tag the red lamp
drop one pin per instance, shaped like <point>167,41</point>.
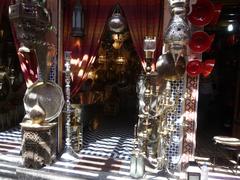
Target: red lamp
<point>202,13</point>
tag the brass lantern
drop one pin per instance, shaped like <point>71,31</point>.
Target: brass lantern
<point>121,60</point>
<point>78,20</point>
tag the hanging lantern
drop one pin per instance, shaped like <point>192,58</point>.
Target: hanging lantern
<point>78,20</point>
<point>178,31</point>
<point>116,22</point>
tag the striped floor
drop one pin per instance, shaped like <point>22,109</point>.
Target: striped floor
<point>106,155</point>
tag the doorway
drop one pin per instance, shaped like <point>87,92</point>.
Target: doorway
<point>218,92</point>
<point>109,98</point>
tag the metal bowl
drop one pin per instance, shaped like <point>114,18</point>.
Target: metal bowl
<point>48,94</point>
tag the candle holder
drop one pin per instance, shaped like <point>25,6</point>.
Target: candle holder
<point>143,127</point>
<point>149,47</point>
<point>166,104</point>
<point>69,154</point>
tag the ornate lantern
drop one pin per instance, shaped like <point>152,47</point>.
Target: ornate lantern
<point>32,21</point>
<point>78,20</point>
<point>178,30</point>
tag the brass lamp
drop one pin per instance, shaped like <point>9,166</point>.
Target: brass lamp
<point>121,60</point>
<point>118,41</point>
<point>78,20</point>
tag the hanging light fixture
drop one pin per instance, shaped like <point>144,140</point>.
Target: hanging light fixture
<point>78,20</point>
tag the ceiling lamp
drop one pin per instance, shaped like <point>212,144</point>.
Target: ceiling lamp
<point>78,20</point>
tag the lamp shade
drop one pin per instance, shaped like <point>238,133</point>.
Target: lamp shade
<point>194,68</point>
<point>216,13</point>
<point>202,13</point>
<point>200,41</point>
<point>207,67</point>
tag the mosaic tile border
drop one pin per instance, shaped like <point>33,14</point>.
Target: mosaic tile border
<point>174,150</point>
<point>190,119</point>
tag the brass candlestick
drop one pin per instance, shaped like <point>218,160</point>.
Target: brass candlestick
<point>137,166</point>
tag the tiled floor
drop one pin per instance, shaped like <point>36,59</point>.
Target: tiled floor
<point>206,150</point>
<point>106,155</point>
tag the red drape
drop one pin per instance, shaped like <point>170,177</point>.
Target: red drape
<point>3,7</point>
<point>84,51</point>
<point>28,61</point>
<point>145,18</point>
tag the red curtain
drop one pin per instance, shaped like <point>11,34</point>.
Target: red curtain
<point>84,50</point>
<point>28,63</point>
<point>145,18</point>
<point>3,7</point>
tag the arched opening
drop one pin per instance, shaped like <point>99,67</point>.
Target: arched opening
<point>219,93</point>
<point>108,95</point>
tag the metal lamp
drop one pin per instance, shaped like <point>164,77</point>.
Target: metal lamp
<point>149,47</point>
<point>78,20</point>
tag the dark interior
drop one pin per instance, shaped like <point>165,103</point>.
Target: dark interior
<point>11,93</point>
<point>218,94</point>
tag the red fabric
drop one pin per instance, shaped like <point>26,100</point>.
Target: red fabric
<point>85,49</point>
<point>28,61</point>
<point>3,8</point>
<point>145,18</point>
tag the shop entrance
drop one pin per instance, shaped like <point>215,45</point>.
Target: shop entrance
<point>219,93</point>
